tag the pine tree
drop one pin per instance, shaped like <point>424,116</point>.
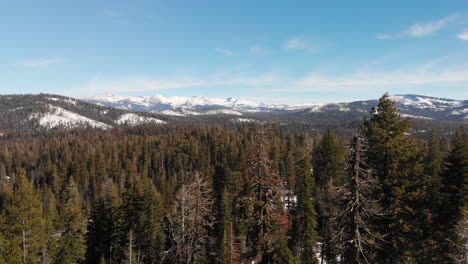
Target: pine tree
<point>226,246</point>
<point>304,232</point>
<point>265,217</point>
<point>453,199</point>
<point>149,232</point>
<point>106,236</point>
<point>393,158</point>
<point>329,173</point>
<point>429,185</point>
<point>51,227</point>
<point>23,224</point>
<point>72,246</point>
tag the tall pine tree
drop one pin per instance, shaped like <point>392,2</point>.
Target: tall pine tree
<point>393,158</point>
<point>329,173</point>
<point>304,234</point>
<point>23,224</point>
<point>453,196</point>
<point>72,246</point>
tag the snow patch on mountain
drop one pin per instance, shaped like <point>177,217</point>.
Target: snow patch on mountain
<point>223,112</point>
<point>58,117</point>
<point>417,117</point>
<point>169,112</point>
<point>133,120</point>
<point>425,102</point>
<point>160,102</point>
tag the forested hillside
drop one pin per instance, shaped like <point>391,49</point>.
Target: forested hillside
<point>248,193</point>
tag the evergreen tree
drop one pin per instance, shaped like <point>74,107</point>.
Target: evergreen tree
<point>106,236</point>
<point>329,173</point>
<point>265,217</point>
<point>51,227</point>
<point>149,233</point>
<point>304,234</point>
<point>72,246</point>
<point>453,199</point>
<point>393,158</point>
<point>226,248</point>
<point>429,199</point>
<point>23,224</point>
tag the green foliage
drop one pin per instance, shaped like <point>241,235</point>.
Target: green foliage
<point>395,162</point>
<point>329,173</point>
<point>72,246</point>
<point>126,187</point>
<point>304,234</point>
<point>453,197</point>
<point>23,224</point>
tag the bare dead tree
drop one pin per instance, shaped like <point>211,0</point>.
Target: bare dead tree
<point>357,235</point>
<point>191,220</point>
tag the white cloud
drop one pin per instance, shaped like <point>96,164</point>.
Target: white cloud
<point>422,29</point>
<point>296,43</point>
<point>40,62</point>
<point>463,35</point>
<point>147,83</point>
<point>226,52</point>
<point>437,73</point>
<point>301,43</point>
<point>369,80</point>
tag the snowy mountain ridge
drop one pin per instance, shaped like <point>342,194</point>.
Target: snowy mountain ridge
<point>47,111</point>
<point>415,106</point>
<point>162,103</point>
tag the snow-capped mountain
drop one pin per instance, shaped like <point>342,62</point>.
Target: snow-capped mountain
<point>161,103</point>
<point>413,106</point>
<point>426,107</point>
<point>45,111</point>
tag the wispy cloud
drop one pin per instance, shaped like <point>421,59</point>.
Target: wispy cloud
<point>40,62</point>
<point>300,43</point>
<point>422,29</point>
<point>148,83</point>
<point>436,73</point>
<point>431,73</point>
<point>226,52</point>
<point>463,35</point>
<point>296,43</point>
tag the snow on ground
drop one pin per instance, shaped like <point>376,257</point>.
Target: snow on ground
<point>169,112</point>
<point>425,102</point>
<point>70,101</point>
<point>460,112</point>
<point>417,117</point>
<point>223,111</point>
<point>244,120</point>
<point>133,119</point>
<point>59,117</point>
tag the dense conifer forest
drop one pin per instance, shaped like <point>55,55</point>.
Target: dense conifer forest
<point>250,193</point>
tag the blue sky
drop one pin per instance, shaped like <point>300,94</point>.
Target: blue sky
<point>269,51</point>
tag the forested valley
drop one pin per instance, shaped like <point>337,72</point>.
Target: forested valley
<point>251,193</point>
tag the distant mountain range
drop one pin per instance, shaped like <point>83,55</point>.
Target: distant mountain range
<point>415,106</point>
<point>47,111</point>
